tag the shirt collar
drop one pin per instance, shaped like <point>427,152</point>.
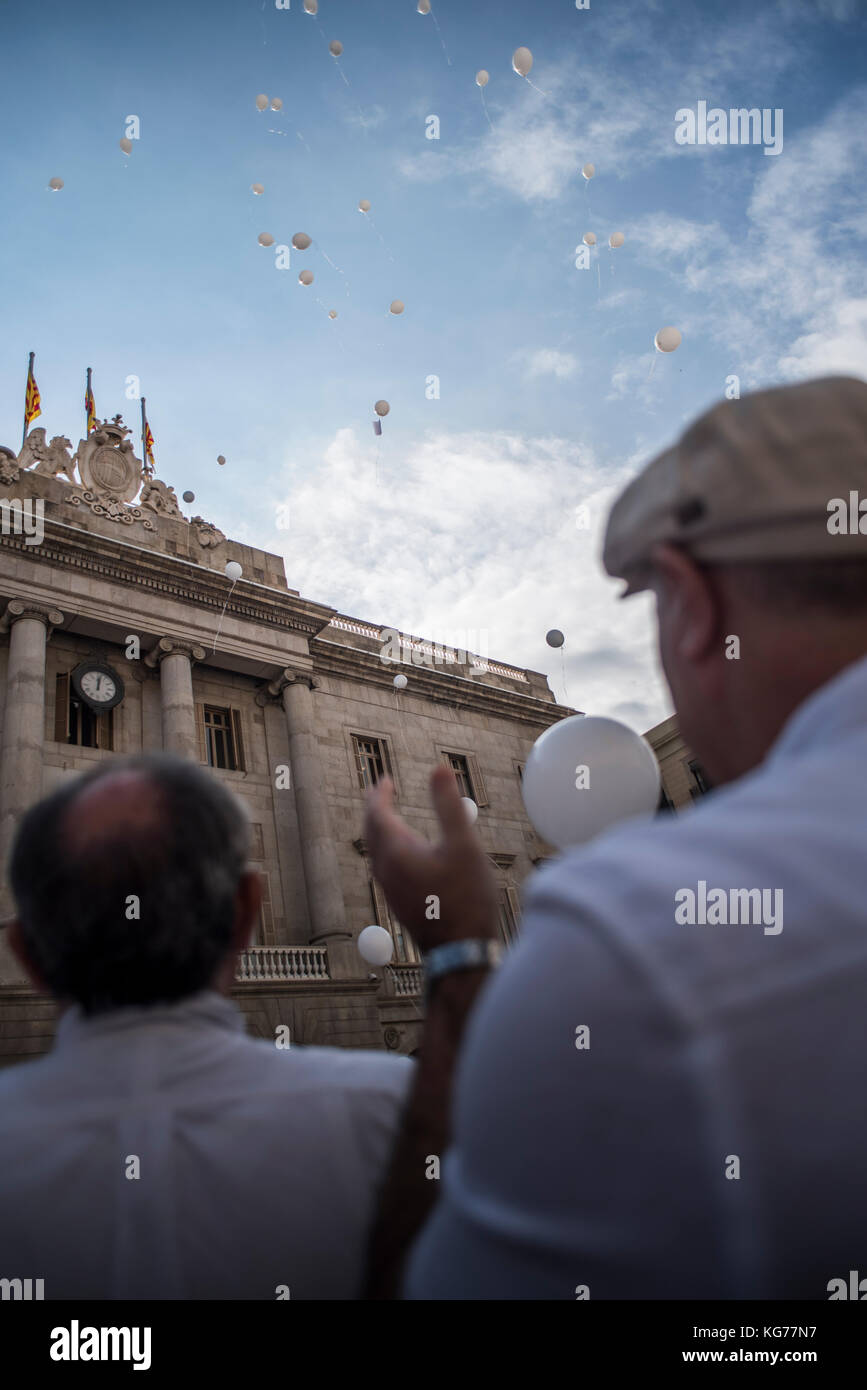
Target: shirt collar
<point>205,1009</point>
<point>837,708</point>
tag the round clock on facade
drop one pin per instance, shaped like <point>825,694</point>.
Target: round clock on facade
<point>97,685</point>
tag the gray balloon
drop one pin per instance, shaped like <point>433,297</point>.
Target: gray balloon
<point>189,497</point>
<point>555,638</point>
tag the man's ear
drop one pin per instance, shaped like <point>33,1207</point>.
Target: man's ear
<point>16,944</point>
<point>687,603</point>
<point>248,906</point>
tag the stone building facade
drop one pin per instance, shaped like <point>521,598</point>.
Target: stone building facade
<point>290,702</point>
<point>683,778</point>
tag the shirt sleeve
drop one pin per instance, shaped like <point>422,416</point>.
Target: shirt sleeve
<point>579,1140</point>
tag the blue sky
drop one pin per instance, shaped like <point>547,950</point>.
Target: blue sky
<point>465,521</point>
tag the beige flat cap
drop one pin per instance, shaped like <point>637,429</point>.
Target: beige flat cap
<point>753,479</point>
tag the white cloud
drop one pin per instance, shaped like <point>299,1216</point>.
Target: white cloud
<point>478,532</point>
<point>550,362</point>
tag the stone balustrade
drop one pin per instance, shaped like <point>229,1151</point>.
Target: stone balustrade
<point>283,963</point>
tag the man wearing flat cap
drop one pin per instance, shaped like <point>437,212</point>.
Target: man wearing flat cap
<point>711,1142</point>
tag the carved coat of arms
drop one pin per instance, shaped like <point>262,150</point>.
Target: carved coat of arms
<point>107,463</point>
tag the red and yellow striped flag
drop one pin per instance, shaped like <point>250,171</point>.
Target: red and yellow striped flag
<point>90,407</point>
<point>32,400</point>
<point>149,445</point>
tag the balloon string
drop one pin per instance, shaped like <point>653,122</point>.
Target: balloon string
<point>378,233</point>
<point>303,142</point>
<point>536,89</point>
<point>485,104</point>
<point>652,365</point>
<point>223,614</point>
<point>563,659</point>
<point>376,462</point>
<point>442,40</point>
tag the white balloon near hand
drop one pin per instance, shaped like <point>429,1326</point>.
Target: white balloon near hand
<point>471,808</point>
<point>233,571</point>
<point>375,945</point>
<point>584,775</point>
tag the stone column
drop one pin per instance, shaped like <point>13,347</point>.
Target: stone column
<point>23,739</point>
<point>175,660</point>
<point>318,851</point>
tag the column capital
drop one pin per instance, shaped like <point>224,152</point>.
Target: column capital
<point>22,608</point>
<point>171,646</point>
<point>273,689</point>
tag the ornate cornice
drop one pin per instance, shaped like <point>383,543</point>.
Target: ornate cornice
<point>156,572</point>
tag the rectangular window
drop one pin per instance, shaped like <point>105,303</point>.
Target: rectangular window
<point>257,844</point>
<point>510,912</point>
<point>266,914</point>
<point>371,759</point>
<point>222,738</point>
<point>75,722</point>
<point>466,768</point>
<point>405,950</point>
<point>700,779</point>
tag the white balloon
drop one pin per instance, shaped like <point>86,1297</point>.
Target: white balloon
<point>311,6</point>
<point>472,809</point>
<point>399,682</point>
<point>584,775</point>
<point>332,313</point>
<point>423,6</point>
<point>667,339</point>
<point>220,458</point>
<point>522,61</point>
<point>306,277</point>
<point>266,239</point>
<point>277,104</point>
<point>616,239</point>
<point>375,945</point>
<point>364,205</point>
<point>482,78</point>
<point>588,171</point>
<point>589,239</point>
<point>258,188</point>
<point>382,407</point>
<point>233,570</point>
<point>396,306</point>
<point>55,185</point>
<point>261,102</point>
<point>301,241</point>
<point>125,144</point>
<point>335,47</point>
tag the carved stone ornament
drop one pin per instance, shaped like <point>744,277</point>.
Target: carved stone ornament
<point>104,504</point>
<point>107,463</point>
<point>206,533</point>
<point>9,470</point>
<point>47,459</point>
<point>158,497</point>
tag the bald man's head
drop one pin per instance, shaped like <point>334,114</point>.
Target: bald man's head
<point>127,883</point>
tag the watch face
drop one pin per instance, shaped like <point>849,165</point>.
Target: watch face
<point>98,686</point>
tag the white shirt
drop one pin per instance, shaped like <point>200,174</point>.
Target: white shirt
<point>712,1140</point>
<point>258,1166</point>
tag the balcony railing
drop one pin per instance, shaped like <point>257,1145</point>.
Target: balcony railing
<point>406,979</point>
<point>283,963</point>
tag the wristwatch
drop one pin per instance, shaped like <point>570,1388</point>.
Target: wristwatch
<point>471,954</point>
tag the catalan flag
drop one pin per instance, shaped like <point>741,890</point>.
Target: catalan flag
<point>89,404</point>
<point>149,445</point>
<point>32,400</point>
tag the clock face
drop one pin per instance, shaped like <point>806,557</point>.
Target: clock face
<point>98,686</point>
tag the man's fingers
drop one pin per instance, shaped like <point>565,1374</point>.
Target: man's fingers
<point>450,809</point>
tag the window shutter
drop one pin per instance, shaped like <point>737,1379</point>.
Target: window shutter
<point>200,732</point>
<point>478,781</point>
<point>239,742</point>
<point>61,708</point>
<point>380,906</point>
<point>514,899</point>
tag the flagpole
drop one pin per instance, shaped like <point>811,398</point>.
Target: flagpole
<point>29,375</point>
<point>87,396</point>
<point>144,447</point>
